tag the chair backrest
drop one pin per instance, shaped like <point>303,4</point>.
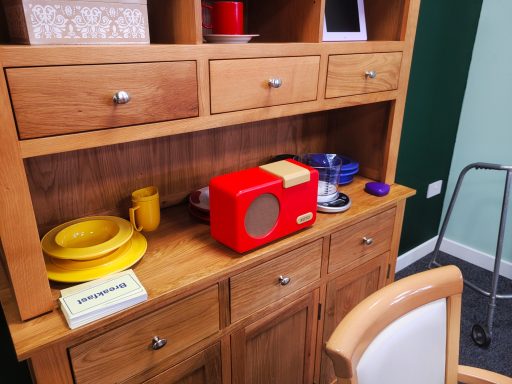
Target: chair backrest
<point>407,332</point>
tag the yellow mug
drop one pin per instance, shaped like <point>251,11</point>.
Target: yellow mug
<point>145,211</point>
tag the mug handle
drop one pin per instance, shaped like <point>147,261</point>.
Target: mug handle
<point>132,218</point>
<point>210,7</point>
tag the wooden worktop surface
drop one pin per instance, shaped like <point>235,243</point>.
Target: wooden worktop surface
<point>181,259</point>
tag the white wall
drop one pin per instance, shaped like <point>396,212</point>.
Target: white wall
<point>485,134</point>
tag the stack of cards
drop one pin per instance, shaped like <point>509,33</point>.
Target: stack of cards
<point>95,299</point>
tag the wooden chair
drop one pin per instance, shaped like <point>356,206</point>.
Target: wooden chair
<point>406,333</point>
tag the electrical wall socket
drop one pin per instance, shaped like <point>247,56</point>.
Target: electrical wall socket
<point>434,188</point>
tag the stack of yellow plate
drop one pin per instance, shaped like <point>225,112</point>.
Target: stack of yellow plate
<point>91,247</point>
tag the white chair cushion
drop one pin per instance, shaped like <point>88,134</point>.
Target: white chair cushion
<point>411,350</point>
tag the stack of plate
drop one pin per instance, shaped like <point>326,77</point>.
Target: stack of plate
<point>91,247</point>
<point>349,169</point>
<point>199,204</point>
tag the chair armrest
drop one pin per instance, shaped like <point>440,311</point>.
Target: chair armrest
<point>471,375</point>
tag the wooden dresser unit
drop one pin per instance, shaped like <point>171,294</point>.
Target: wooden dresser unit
<point>198,110</point>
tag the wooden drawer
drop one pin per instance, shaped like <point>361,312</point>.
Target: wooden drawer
<point>244,84</point>
<point>126,351</point>
<point>347,74</point>
<point>260,286</point>
<point>356,244</point>
<point>66,99</point>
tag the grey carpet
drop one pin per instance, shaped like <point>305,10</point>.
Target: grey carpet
<point>497,356</point>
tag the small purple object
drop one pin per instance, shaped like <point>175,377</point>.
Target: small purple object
<point>376,188</point>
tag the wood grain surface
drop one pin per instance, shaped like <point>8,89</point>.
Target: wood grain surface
<point>358,133</point>
<point>201,368</point>
<point>20,248</point>
<point>385,19</point>
<point>52,366</point>
<point>285,21</point>
<point>301,266</point>
<point>181,324</point>
<point>346,74</point>
<point>175,22</point>
<point>99,181</point>
<point>60,100</point>
<point>243,84</point>
<point>347,245</point>
<point>277,348</point>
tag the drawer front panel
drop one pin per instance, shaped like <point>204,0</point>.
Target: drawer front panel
<point>260,286</point>
<point>366,239</point>
<point>352,74</point>
<point>244,84</point>
<point>60,100</point>
<point>126,351</point>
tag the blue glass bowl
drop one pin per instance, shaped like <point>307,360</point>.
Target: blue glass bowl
<point>349,168</point>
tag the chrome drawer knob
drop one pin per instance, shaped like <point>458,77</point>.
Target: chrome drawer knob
<point>275,83</point>
<point>158,343</point>
<point>284,280</point>
<point>121,97</point>
<point>367,240</point>
<point>370,74</point>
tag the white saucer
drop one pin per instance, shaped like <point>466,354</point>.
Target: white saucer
<point>228,39</point>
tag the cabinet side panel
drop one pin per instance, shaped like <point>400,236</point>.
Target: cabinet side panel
<point>18,230</point>
<point>411,11</point>
<point>51,365</point>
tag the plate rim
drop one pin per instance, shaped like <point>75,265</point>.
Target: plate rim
<point>50,247</point>
<point>136,250</point>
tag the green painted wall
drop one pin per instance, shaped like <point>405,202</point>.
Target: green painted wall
<point>442,54</point>
<point>485,134</point>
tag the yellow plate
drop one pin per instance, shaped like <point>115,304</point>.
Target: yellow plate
<point>72,271</point>
<point>87,238</point>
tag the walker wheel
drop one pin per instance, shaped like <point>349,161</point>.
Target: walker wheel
<point>480,335</point>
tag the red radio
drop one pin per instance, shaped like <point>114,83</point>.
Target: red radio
<point>255,206</point>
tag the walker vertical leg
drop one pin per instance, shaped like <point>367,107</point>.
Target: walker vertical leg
<point>433,261</point>
<point>480,335</point>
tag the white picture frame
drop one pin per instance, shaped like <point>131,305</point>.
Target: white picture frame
<point>344,20</point>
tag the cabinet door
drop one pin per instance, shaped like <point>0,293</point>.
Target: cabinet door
<point>202,368</point>
<point>277,348</point>
<point>343,294</point>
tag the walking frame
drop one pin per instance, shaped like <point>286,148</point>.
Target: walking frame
<point>482,335</point>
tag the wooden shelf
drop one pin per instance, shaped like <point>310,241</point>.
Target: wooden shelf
<point>181,259</point>
<point>65,143</point>
<point>24,55</point>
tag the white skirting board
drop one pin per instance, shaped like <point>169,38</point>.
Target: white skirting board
<point>458,250</point>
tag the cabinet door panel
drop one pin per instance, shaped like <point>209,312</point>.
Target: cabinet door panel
<point>202,368</point>
<point>343,294</point>
<point>277,348</point>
